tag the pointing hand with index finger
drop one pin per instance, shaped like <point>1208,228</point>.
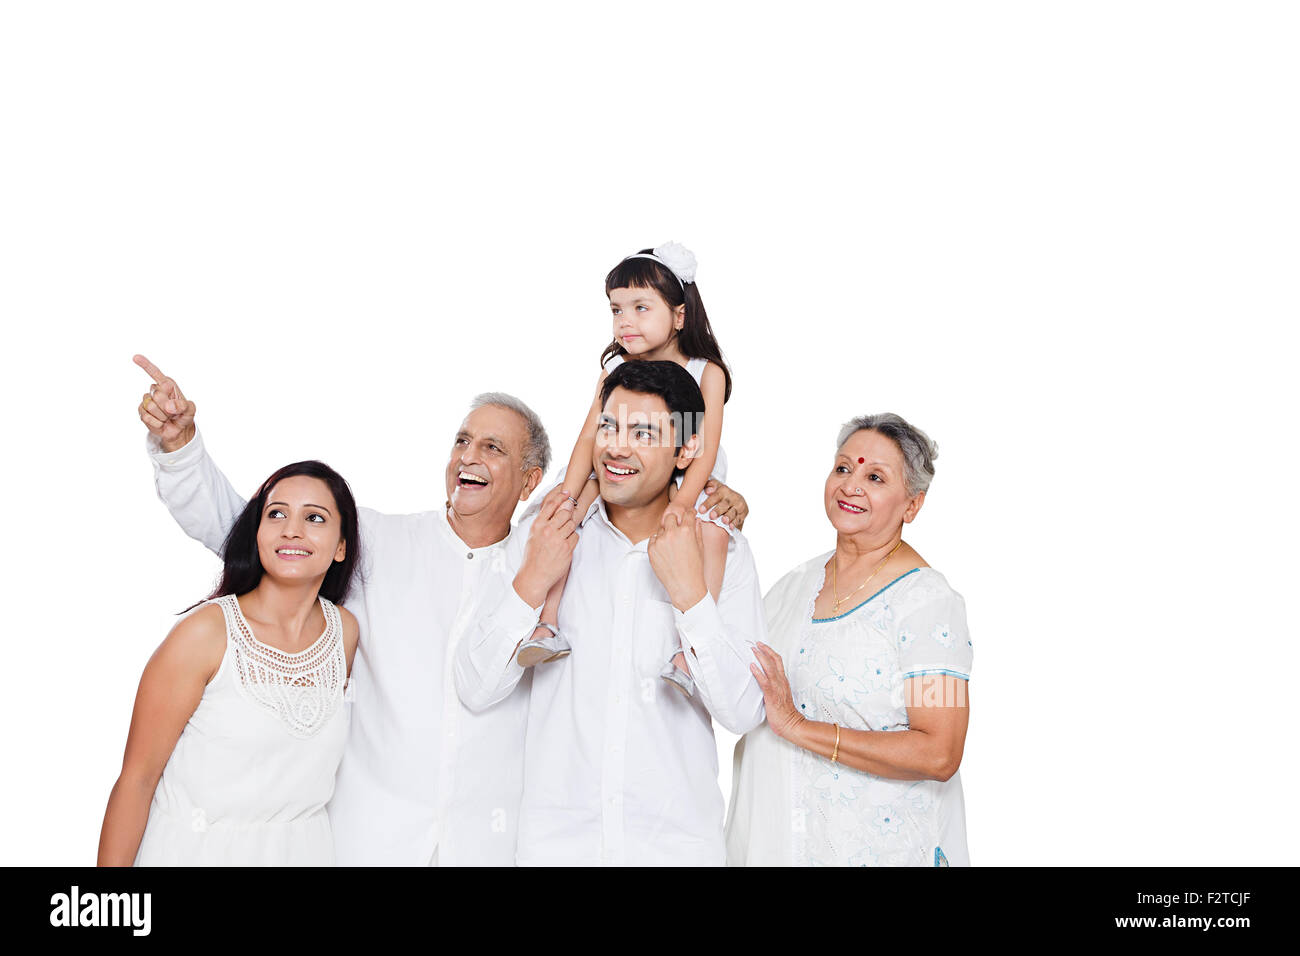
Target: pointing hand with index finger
<point>164,409</point>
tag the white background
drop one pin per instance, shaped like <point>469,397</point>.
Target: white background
<point>1062,238</point>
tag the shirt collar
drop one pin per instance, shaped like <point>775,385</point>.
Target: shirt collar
<point>453,539</point>
<point>601,516</point>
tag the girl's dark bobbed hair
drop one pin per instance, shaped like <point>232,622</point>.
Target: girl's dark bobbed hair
<point>696,339</point>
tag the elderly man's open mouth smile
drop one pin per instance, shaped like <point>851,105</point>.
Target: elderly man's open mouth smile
<point>470,480</point>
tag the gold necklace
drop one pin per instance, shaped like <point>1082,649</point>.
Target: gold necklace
<point>835,577</point>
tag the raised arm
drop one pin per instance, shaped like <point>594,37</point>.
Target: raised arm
<point>169,693</point>
<point>718,635</point>
<point>198,495</point>
<point>506,607</point>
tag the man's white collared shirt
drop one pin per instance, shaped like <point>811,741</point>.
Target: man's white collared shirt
<point>620,767</point>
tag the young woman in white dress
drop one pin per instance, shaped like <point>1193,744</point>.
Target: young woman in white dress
<point>240,720</point>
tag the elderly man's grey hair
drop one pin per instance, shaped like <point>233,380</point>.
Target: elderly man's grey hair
<point>537,451</point>
<point>919,452</point>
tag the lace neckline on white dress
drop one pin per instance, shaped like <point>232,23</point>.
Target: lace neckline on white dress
<point>302,688</point>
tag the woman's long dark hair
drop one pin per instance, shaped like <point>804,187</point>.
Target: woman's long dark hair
<point>243,568</point>
<point>696,338</point>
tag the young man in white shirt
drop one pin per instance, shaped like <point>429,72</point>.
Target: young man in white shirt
<point>620,767</point>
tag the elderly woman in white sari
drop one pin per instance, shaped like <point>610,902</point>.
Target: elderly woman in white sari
<point>864,684</point>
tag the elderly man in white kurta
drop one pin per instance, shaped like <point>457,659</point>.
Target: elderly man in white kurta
<point>621,768</point>
<point>423,781</point>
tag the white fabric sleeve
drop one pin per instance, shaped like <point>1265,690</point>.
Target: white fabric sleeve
<point>933,639</point>
<point>722,636</point>
<point>485,668</point>
<point>199,497</point>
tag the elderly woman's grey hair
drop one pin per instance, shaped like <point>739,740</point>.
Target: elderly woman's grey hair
<point>919,452</point>
<point>537,451</point>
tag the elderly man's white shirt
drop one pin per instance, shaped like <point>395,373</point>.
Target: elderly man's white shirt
<point>423,779</point>
<point>620,767</point>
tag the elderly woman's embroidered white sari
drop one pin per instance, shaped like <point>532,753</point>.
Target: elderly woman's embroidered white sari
<point>790,806</point>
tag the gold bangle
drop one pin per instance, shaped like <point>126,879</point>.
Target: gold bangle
<point>836,752</point>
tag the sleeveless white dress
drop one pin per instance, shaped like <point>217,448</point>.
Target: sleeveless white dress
<point>696,367</point>
<point>254,767</point>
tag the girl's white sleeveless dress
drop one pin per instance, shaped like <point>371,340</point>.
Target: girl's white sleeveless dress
<point>254,767</point>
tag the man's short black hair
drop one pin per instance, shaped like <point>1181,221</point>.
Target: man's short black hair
<point>676,386</point>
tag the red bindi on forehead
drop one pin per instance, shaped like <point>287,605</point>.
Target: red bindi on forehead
<point>862,461</point>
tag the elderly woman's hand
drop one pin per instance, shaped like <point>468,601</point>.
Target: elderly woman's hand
<point>782,715</point>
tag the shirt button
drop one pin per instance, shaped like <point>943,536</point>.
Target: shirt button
<point>470,556</point>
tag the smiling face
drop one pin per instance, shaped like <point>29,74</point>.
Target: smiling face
<point>643,321</point>
<point>300,534</point>
<point>634,455</point>
<point>866,491</point>
<point>485,471</point>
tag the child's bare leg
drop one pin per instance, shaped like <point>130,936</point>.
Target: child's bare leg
<point>551,609</point>
<point>545,644</point>
<point>715,565</point>
<point>531,653</point>
<point>586,498</point>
